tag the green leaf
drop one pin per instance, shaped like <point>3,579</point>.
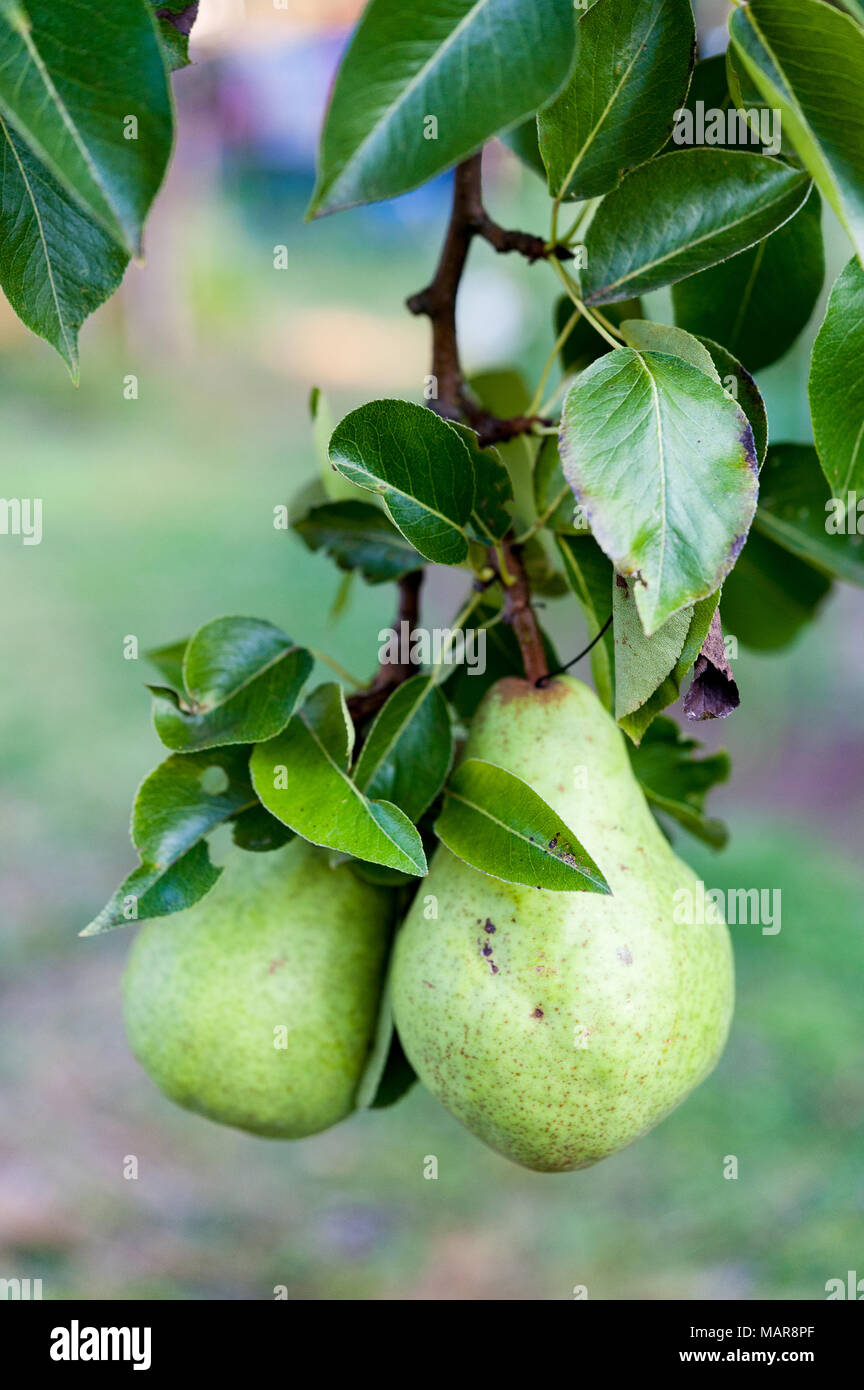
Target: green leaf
<point>662,461</point>
<point>409,749</point>
<point>168,661</point>
<point>771,595</point>
<point>56,265</point>
<point>553,496</point>
<point>682,213</point>
<point>855,7</point>
<point>758,302</point>
<point>505,394</point>
<point>584,344</point>
<point>242,678</point>
<point>741,386</point>
<point>421,468</point>
<point>490,518</point>
<point>523,140</point>
<point>837,384</point>
<point>388,1074</point>
<point>357,535</point>
<point>632,69</point>
<point>590,576</point>
<point>256,830</point>
<point>709,87</point>
<point>300,777</point>
<point>676,781</point>
<point>795,510</point>
<point>422,88</point>
<point>640,720</point>
<point>498,824</point>
<point>175,19</point>
<point>714,361</point>
<point>177,806</point>
<point>71,77</point>
<point>646,336</point>
<point>807,61</point>
<point>642,663</point>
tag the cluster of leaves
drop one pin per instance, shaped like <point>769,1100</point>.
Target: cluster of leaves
<point>247,751</point>
<point>86,125</point>
<point>657,494</point>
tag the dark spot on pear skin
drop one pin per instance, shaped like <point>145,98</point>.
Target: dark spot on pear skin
<point>275,965</point>
<point>487,949</point>
<point>538,1013</point>
<point>489,927</point>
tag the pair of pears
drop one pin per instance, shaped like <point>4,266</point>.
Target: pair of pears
<point>558,1027</point>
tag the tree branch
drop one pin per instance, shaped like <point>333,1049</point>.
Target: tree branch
<point>519,613</point>
<point>366,703</point>
<point>469,218</point>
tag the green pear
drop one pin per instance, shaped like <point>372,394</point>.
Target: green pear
<point>559,1027</point>
<point>257,1007</point>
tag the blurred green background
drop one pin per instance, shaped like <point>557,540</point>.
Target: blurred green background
<point>157,516</point>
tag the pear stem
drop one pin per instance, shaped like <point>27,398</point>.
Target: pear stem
<point>519,613</point>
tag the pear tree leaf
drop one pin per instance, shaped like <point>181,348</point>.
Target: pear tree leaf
<point>855,7</point>
<point>681,213</point>
<point>168,661</point>
<point>553,496</point>
<point>56,264</point>
<point>758,302</point>
<point>490,518</point>
<point>646,336</point>
<point>820,98</point>
<point>388,1074</point>
<point>642,663</point>
<point>796,510</point>
<point>676,781</point>
<point>632,69</point>
<point>590,576</point>
<point>175,19</point>
<point>740,385</point>
<point>505,394</point>
<point>771,595</point>
<point>241,680</point>
<point>663,463</point>
<point>708,92</point>
<point>498,824</point>
<point>713,360</point>
<point>176,807</point>
<point>70,78</point>
<point>300,776</point>
<point>523,140</point>
<point>701,616</point>
<point>421,88</point>
<point>256,830</point>
<point>358,536</point>
<point>421,468</point>
<point>837,383</point>
<point>409,749</point>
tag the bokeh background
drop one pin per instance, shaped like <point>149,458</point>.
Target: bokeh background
<point>157,516</point>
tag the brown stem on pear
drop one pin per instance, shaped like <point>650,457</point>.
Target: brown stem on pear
<point>519,613</point>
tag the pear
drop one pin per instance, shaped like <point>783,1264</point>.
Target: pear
<point>559,1027</point>
<point>257,1007</point>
